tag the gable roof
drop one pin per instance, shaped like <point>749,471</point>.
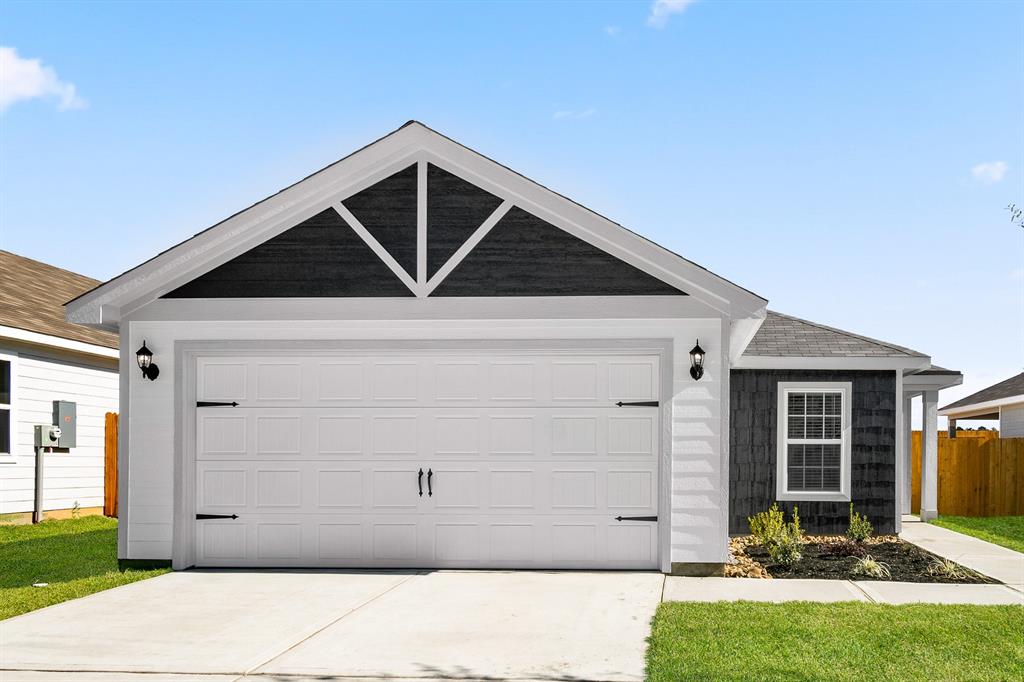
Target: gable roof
<point>32,296</point>
<point>1004,390</point>
<point>104,305</point>
<point>786,336</point>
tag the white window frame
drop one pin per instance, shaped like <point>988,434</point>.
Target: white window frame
<point>782,492</point>
<point>6,457</point>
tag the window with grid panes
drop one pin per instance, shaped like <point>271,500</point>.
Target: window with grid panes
<point>814,440</point>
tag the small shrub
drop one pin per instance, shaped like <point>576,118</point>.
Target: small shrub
<point>782,540</point>
<point>947,569</point>
<point>843,548</point>
<point>76,510</point>
<point>860,528</point>
<point>767,525</point>
<point>868,565</point>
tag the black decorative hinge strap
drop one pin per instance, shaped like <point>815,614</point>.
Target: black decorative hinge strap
<point>206,403</point>
<point>642,403</point>
<point>200,517</point>
<point>636,518</point>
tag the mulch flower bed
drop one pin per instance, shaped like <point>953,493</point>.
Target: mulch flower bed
<point>835,557</point>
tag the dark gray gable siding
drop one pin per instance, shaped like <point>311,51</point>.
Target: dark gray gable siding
<point>388,211</point>
<point>526,256</point>
<point>320,257</point>
<point>752,445</point>
<point>455,209</point>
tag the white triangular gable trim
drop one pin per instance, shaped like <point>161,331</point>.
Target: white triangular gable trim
<point>412,143</point>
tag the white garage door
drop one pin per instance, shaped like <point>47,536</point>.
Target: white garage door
<point>428,459</point>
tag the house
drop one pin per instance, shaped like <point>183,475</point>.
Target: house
<point>45,358</point>
<point>417,357</point>
<point>1003,401</point>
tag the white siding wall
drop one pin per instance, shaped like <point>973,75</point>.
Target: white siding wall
<point>1011,422</point>
<point>695,470</point>
<point>77,476</point>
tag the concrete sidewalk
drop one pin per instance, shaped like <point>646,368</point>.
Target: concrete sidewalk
<point>1001,563</point>
<point>875,591</point>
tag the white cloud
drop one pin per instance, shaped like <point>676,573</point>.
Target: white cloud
<point>25,79</point>
<point>661,10</point>
<point>567,113</point>
<point>990,171</point>
<point>613,31</point>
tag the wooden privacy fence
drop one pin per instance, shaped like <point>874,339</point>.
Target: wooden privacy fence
<point>980,474</point>
<point>110,465</point>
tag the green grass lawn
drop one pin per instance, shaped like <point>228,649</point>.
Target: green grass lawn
<point>842,642</point>
<point>1007,531</point>
<point>76,557</point>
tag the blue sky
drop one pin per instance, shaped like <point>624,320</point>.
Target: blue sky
<point>850,162</point>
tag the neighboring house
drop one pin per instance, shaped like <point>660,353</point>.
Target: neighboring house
<point>417,357</point>
<point>45,358</point>
<point>1003,401</point>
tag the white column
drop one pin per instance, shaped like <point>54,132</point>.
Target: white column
<point>907,437</point>
<point>930,455</point>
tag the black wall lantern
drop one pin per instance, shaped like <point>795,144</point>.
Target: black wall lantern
<point>697,362</point>
<point>145,357</point>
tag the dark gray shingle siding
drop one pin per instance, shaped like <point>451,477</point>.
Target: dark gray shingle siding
<point>752,445</point>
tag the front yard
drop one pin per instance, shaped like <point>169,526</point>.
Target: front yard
<point>74,558</point>
<point>847,641</point>
<point>1007,531</point>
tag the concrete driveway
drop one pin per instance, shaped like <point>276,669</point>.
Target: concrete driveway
<point>294,625</point>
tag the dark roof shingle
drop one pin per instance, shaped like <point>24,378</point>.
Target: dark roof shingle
<point>1013,386</point>
<point>32,297</point>
<point>785,336</point>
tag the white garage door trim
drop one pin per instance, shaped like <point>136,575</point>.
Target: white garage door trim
<point>188,353</point>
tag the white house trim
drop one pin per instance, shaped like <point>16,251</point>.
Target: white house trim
<point>421,223</point>
<point>56,342</point>
<point>105,305</point>
<point>12,407</point>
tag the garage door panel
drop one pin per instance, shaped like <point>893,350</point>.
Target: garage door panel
<point>480,378</point>
<point>429,433</point>
<point>531,461</point>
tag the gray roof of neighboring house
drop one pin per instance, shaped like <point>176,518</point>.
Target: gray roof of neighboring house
<point>785,336</point>
<point>1013,386</point>
<point>32,296</point>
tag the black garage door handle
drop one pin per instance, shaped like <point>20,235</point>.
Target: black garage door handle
<point>430,488</point>
<point>419,482</point>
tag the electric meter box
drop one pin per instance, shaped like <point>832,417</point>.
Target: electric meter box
<point>65,418</point>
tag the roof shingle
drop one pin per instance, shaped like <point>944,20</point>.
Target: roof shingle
<point>785,336</point>
<point>1009,388</point>
<point>32,297</point>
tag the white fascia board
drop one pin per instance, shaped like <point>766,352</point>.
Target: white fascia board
<point>982,408</point>
<point>916,383</point>
<point>412,143</point>
<point>436,308</point>
<point>742,331</point>
<point>861,363</point>
<point>36,338</point>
